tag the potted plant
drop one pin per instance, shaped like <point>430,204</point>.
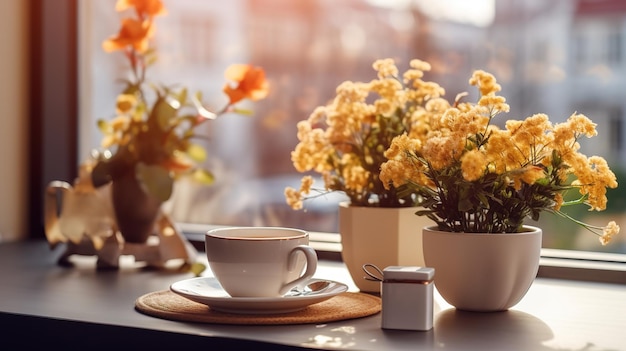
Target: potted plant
<point>480,183</point>
<point>150,143</point>
<point>344,142</point>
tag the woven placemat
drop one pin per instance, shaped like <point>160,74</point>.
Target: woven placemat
<point>168,305</point>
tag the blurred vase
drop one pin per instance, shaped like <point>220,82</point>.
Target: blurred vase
<point>135,210</point>
<point>75,213</point>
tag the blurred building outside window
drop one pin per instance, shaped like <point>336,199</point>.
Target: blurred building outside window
<point>551,56</point>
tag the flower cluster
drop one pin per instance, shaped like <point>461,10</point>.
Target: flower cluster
<point>153,141</point>
<point>469,175</point>
<point>345,140</point>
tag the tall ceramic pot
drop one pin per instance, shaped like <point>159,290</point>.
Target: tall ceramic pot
<point>135,210</point>
<point>380,236</point>
<point>483,272</point>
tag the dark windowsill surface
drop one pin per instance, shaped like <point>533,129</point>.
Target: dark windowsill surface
<point>77,307</point>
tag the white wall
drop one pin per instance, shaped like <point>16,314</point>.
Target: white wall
<point>13,119</point>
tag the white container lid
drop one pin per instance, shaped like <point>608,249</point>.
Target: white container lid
<point>408,273</point>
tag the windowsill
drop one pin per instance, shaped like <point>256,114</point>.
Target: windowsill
<point>583,265</point>
<point>55,302</point>
<point>327,245</point>
<point>554,263</point>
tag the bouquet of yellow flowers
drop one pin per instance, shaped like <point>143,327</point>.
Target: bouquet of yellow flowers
<point>345,141</point>
<point>153,141</point>
<point>472,176</point>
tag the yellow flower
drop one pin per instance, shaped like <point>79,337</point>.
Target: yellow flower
<point>397,138</point>
<point>311,153</point>
<point>294,197</point>
<point>125,103</point>
<point>344,140</point>
<point>609,231</point>
<point>473,164</point>
<point>386,68</point>
<point>473,176</point>
<point>355,176</point>
<point>558,201</point>
<point>532,173</point>
<point>485,82</point>
<point>529,175</point>
<point>496,103</point>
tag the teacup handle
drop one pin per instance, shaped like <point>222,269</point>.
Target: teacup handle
<point>311,266</point>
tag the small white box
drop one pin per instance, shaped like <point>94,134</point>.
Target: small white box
<point>407,298</point>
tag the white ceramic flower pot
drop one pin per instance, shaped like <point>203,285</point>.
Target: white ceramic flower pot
<point>380,236</point>
<point>483,272</point>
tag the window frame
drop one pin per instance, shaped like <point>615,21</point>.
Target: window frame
<point>53,112</point>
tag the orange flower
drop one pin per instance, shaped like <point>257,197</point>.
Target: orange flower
<point>250,81</point>
<point>133,32</point>
<point>149,8</point>
<point>176,164</point>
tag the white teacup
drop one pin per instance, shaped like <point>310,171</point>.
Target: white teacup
<point>260,261</point>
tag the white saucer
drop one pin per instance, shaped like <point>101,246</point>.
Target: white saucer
<point>208,291</point>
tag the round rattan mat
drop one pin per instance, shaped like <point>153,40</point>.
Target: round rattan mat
<point>168,305</point>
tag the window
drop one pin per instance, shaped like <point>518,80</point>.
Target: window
<point>308,47</point>
<point>616,130</point>
<point>614,47</point>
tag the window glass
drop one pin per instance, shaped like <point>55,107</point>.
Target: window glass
<point>554,57</point>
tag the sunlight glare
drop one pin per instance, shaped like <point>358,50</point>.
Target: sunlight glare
<point>480,13</point>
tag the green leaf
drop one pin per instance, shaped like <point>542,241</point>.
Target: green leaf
<point>465,204</point>
<point>156,180</point>
<point>202,111</point>
<point>483,199</point>
<point>104,126</point>
<point>198,95</point>
<point>243,111</point>
<point>163,112</point>
<point>131,88</point>
<point>196,152</point>
<point>197,268</point>
<point>182,96</point>
<point>203,176</point>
